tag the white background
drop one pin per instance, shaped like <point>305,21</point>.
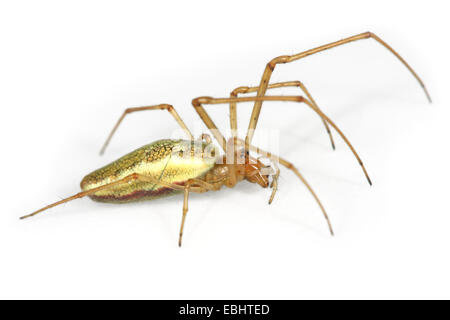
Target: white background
<point>68,70</point>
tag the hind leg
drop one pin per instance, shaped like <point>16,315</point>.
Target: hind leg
<point>127,179</point>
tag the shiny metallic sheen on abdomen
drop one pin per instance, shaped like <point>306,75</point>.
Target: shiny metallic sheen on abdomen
<point>161,160</point>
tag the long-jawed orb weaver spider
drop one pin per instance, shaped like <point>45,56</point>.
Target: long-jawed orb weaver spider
<point>168,166</point>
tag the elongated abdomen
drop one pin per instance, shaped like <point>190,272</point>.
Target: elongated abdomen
<point>171,161</point>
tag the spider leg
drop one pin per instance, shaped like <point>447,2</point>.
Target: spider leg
<point>131,177</point>
<point>167,107</point>
<point>264,84</point>
<point>291,167</point>
<point>243,90</point>
<point>198,105</point>
<point>193,185</point>
<point>202,186</point>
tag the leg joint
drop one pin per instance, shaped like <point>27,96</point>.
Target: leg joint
<point>200,100</point>
<point>277,60</point>
<point>242,89</point>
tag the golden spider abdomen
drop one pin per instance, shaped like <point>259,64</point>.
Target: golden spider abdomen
<point>171,161</point>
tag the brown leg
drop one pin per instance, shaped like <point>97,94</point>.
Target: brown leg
<point>263,86</point>
<point>198,105</point>
<point>291,167</point>
<point>202,186</point>
<point>127,179</point>
<point>243,90</point>
<point>210,124</point>
<point>183,219</point>
<point>167,107</point>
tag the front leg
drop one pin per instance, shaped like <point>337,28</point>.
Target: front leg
<point>270,67</point>
<point>200,101</point>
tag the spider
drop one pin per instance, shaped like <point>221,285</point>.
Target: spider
<point>170,166</point>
